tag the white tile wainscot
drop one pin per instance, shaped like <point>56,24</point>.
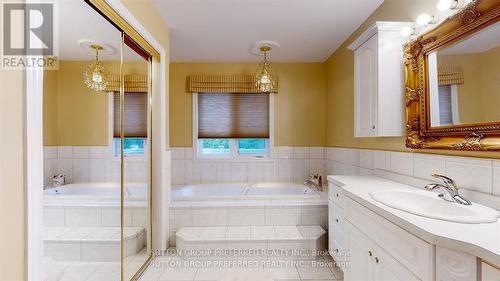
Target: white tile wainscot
<point>89,164</point>
<point>285,164</point>
<point>247,213</point>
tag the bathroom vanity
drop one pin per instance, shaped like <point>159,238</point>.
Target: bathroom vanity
<point>383,243</point>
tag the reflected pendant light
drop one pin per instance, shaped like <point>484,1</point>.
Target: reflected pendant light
<point>96,75</point>
<point>265,78</point>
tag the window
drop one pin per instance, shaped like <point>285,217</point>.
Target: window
<point>135,124</point>
<point>448,105</point>
<point>233,125</point>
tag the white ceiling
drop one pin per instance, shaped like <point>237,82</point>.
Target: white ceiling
<point>478,42</point>
<point>224,30</point>
<point>77,20</point>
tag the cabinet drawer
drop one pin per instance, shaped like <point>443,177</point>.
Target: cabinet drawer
<point>414,253</point>
<point>336,194</point>
<point>489,273</point>
<point>338,223</point>
<point>338,251</point>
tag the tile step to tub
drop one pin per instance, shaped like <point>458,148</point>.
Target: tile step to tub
<point>298,242</point>
<point>91,243</point>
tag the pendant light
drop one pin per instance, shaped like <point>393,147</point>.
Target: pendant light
<point>265,78</point>
<point>96,75</point>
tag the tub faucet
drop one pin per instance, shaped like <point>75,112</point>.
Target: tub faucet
<point>314,180</point>
<point>449,190</point>
<point>58,180</point>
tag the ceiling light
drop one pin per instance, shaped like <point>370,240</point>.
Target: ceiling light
<point>444,5</point>
<point>424,19</point>
<point>96,75</point>
<point>407,31</point>
<point>265,78</point>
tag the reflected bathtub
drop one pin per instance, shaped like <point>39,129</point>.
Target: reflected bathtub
<point>91,193</point>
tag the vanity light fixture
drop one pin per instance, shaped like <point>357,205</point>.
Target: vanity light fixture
<point>265,78</point>
<point>425,19</point>
<point>407,31</point>
<point>444,5</point>
<point>96,75</point>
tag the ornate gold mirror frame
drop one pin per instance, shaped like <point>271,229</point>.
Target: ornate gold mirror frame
<point>475,16</point>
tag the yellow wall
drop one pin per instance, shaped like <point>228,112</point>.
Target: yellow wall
<point>146,13</point>
<point>299,105</point>
<point>50,107</point>
<point>340,85</point>
<point>481,85</point>
<point>73,114</point>
<point>11,176</point>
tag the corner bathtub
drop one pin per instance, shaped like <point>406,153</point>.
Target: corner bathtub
<point>243,191</point>
<point>91,193</point>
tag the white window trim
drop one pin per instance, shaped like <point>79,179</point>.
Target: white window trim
<point>110,149</point>
<point>455,116</point>
<point>234,156</point>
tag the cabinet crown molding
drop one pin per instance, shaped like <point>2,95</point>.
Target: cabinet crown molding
<point>377,27</point>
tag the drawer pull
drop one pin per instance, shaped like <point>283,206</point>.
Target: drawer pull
<point>336,220</point>
<point>337,194</point>
<point>370,253</point>
<point>376,260</point>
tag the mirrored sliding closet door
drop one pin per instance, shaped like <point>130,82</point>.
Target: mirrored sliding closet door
<point>97,160</point>
<point>133,133</point>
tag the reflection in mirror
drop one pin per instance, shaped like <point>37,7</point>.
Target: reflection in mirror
<point>464,80</point>
<point>82,221</point>
<point>137,242</point>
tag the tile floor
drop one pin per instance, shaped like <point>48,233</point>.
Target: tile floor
<point>97,271</point>
<point>165,268</point>
<point>173,268</point>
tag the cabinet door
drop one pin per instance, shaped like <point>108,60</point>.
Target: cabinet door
<point>365,89</point>
<point>386,268</point>
<point>361,255</point>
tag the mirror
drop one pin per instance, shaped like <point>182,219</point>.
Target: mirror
<point>452,83</point>
<point>464,85</point>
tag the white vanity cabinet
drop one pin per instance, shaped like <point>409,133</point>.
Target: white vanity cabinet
<point>379,81</point>
<point>370,262</point>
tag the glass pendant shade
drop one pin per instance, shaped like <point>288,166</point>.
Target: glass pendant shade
<point>96,75</point>
<point>265,78</point>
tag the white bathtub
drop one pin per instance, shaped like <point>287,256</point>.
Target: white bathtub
<point>243,191</point>
<point>94,193</point>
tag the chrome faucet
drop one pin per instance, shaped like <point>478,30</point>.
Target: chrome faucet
<point>449,190</point>
<point>315,181</point>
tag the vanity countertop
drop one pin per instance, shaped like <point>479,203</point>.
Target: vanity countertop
<point>482,240</point>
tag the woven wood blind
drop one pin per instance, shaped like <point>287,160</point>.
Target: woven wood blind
<point>135,115</point>
<point>222,84</point>
<point>233,115</point>
<point>450,75</point>
<point>134,83</point>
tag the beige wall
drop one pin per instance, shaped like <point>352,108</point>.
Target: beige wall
<point>299,105</point>
<point>11,176</point>
<point>340,84</point>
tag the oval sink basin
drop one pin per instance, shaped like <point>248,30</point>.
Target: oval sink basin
<point>428,204</point>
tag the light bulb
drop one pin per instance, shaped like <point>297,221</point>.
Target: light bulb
<point>264,79</point>
<point>407,31</point>
<point>444,5</point>
<point>96,77</point>
<point>424,19</point>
